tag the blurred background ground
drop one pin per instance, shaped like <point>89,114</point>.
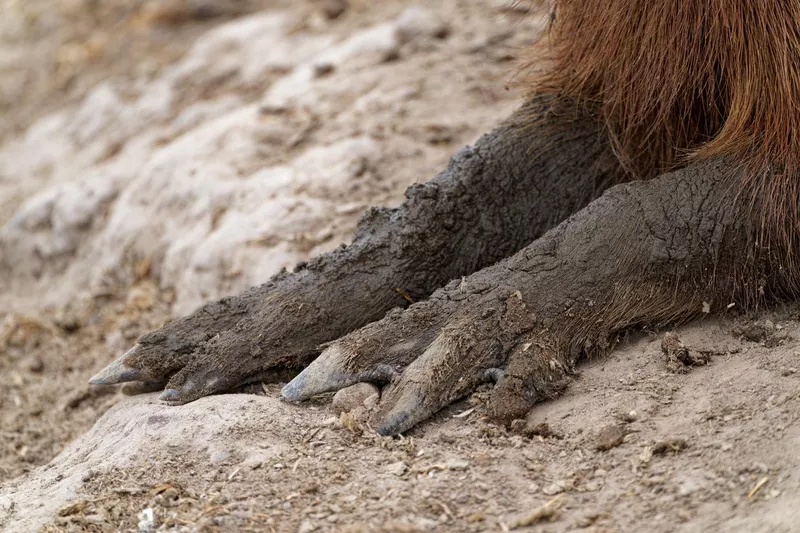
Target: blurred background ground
<point>155,154</point>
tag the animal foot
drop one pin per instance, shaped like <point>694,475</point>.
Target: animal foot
<point>439,351</point>
<point>262,335</point>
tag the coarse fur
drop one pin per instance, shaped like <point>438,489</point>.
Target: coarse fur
<point>680,80</point>
<point>675,82</point>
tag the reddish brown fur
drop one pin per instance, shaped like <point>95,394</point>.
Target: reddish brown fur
<point>681,79</point>
<point>674,81</point>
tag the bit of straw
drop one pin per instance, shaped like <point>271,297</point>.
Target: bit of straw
<point>757,487</point>
<point>547,511</point>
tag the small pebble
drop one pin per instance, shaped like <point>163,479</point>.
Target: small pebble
<point>457,464</point>
<point>609,437</point>
<point>352,397</point>
<point>553,489</point>
<point>372,401</point>
<point>594,485</point>
<point>218,456</point>
<point>306,527</point>
<point>147,520</point>
<point>333,9</point>
<point>398,468</point>
<point>34,364</point>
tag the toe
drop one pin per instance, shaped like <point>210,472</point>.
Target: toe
<point>538,370</point>
<point>220,367</point>
<point>196,380</point>
<point>376,353</point>
<point>451,368</point>
<point>335,369</point>
<point>159,354</point>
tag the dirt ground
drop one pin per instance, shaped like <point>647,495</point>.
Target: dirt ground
<point>640,441</point>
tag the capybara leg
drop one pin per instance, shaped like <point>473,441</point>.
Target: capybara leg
<point>532,172</point>
<point>644,253</point>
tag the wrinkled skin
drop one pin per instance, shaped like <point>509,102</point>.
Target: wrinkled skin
<point>508,285</point>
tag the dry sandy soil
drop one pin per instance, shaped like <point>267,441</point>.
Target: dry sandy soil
<point>154,154</point>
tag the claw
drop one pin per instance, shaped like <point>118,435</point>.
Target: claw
<point>324,374</point>
<point>441,375</point>
<point>327,373</point>
<point>407,411</point>
<point>118,371</point>
<point>494,375</point>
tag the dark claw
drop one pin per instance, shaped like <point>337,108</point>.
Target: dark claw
<point>118,371</point>
<point>406,411</point>
<point>395,425</point>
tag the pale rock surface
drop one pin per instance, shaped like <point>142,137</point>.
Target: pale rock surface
<point>220,193</point>
<point>138,429</point>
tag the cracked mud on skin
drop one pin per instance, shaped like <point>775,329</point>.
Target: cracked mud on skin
<point>535,313</point>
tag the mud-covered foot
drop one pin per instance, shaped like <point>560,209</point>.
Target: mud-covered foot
<point>269,333</point>
<point>159,354</point>
<point>493,199</point>
<point>440,350</point>
<point>647,252</point>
